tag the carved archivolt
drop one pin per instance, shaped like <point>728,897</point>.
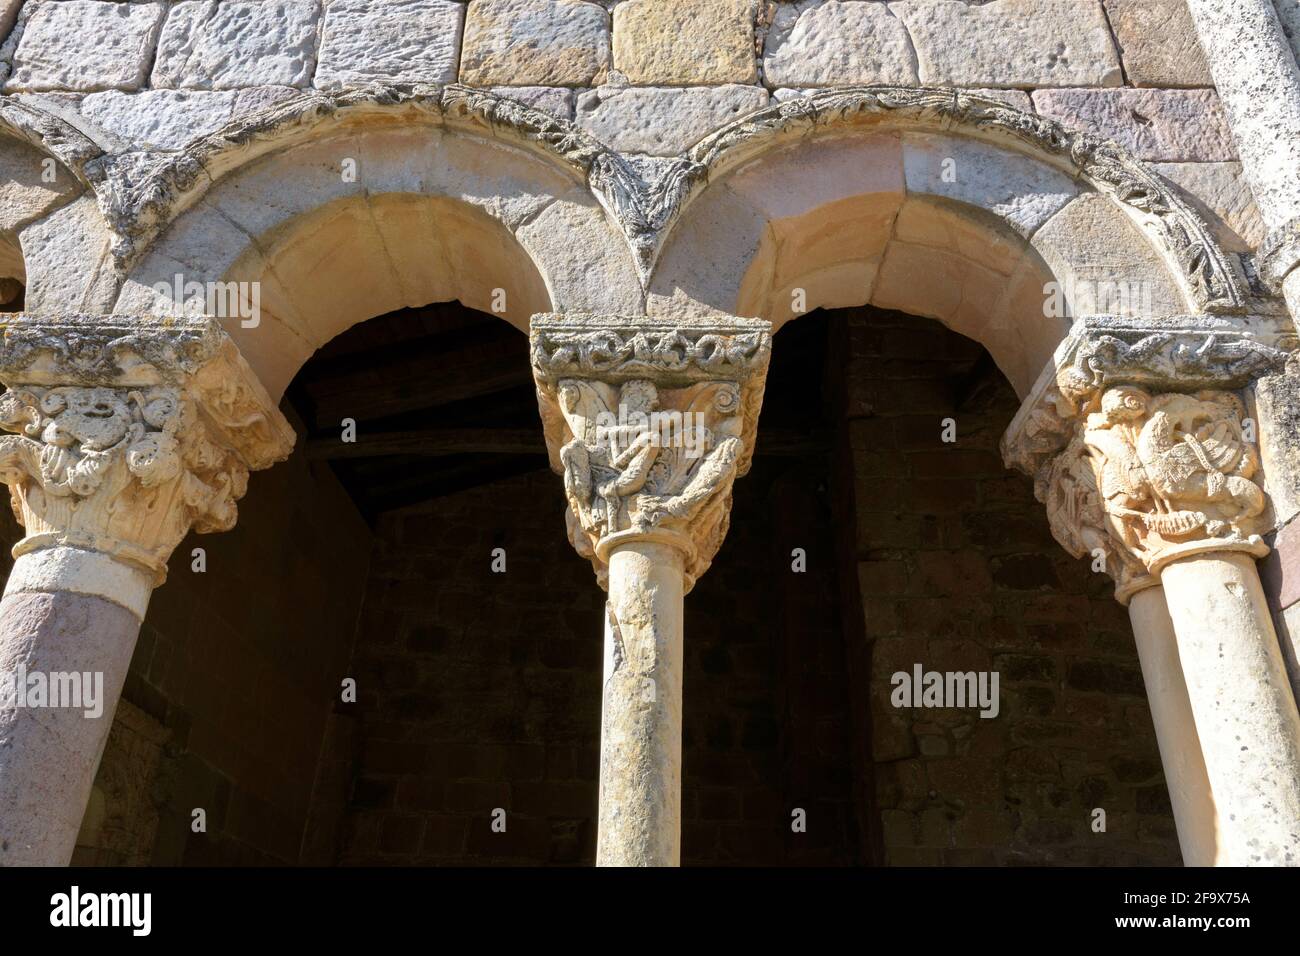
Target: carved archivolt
<point>1204,269</point>
<point>649,426</point>
<point>127,435</point>
<point>141,193</point>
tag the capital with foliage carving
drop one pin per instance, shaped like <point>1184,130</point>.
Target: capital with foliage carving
<point>127,433</point>
<point>649,421</point>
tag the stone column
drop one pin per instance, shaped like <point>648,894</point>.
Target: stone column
<point>1255,72</point>
<point>1162,487</point>
<point>126,435</point>
<point>641,708</point>
<point>1171,714</point>
<point>649,421</point>
<point>1245,713</point>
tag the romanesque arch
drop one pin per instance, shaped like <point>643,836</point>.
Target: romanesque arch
<point>341,209</point>
<point>1001,224</point>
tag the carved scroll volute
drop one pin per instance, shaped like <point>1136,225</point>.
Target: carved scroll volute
<point>125,436</point>
<point>649,423</point>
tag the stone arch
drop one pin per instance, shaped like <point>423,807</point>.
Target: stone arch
<point>46,164</point>
<point>346,207</point>
<point>942,204</point>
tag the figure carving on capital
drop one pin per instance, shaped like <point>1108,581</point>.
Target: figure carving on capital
<point>636,466</point>
<point>1164,476</point>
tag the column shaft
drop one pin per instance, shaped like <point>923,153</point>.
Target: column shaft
<point>641,713</point>
<point>1171,713</point>
<point>56,618</point>
<point>1244,711</point>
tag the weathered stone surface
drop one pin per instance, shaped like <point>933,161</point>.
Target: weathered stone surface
<point>1223,190</point>
<point>46,784</point>
<point>1157,42</point>
<point>1288,12</point>
<point>835,43</point>
<point>85,45</point>
<point>168,119</point>
<point>1017,189</point>
<point>406,41</point>
<point>67,259</point>
<point>1103,263</point>
<point>604,276</point>
<point>662,121</point>
<point>1238,688</point>
<point>685,42</point>
<point>555,100</point>
<point>8,14</point>
<point>24,195</point>
<point>1012,43</point>
<point>1161,125</point>
<point>221,46</point>
<point>538,42</point>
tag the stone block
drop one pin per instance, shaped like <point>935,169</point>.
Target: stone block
<point>24,195</point>
<point>1222,189</point>
<point>207,45</point>
<point>1158,125</point>
<point>535,42</point>
<point>168,119</point>
<point>836,43</point>
<point>85,45</point>
<point>66,255</point>
<point>1157,42</point>
<point>1020,191</point>
<point>1104,262</point>
<point>1011,43</point>
<point>685,42</point>
<point>405,41</point>
<point>662,121</point>
<point>555,100</point>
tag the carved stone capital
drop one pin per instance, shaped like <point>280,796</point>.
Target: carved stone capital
<point>128,433</point>
<point>1134,471</point>
<point>649,421</point>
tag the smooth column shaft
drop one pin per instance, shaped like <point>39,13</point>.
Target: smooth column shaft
<point>52,622</point>
<point>641,714</point>
<point>1171,713</point>
<point>1244,711</point>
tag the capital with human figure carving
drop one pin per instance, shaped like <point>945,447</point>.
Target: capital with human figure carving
<point>649,422</point>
